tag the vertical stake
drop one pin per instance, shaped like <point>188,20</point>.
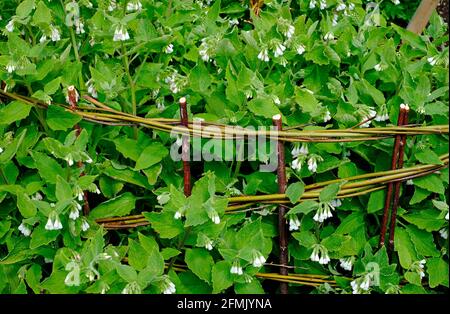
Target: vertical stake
<point>401,154</point>
<point>387,203</point>
<point>185,148</point>
<point>72,97</point>
<point>282,225</point>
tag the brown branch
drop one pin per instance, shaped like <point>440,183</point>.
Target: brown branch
<point>401,152</point>
<point>282,225</point>
<point>422,15</point>
<point>185,149</point>
<point>388,199</point>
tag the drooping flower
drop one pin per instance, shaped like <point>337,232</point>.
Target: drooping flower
<point>43,38</point>
<point>279,50</point>
<point>361,284</point>
<point>323,212</point>
<point>209,245</point>
<point>112,5</point>
<point>264,55</point>
<point>168,287</point>
<point>204,51</point>
<point>121,33</point>
<point>327,116</point>
<point>289,31</point>
<point>37,197</point>
<point>341,6</point>
<point>10,26</point>
<point>444,233</point>
<point>79,27</point>
<point>382,114</point>
<point>91,88</point>
<point>320,254</point>
<point>53,222</point>
<point>55,35</point>
<point>367,114</point>
<point>236,268</point>
<point>300,49</point>
<point>132,288</point>
<point>214,216</point>
<point>347,263</point>
<point>432,60</point>
<point>84,225</point>
<point>134,6</point>
<point>328,36</point>
<point>312,4</point>
<point>335,203</point>
<point>11,67</point>
<point>294,223</point>
<point>396,2</point>
<point>24,229</point>
<point>312,162</point>
<point>168,49</point>
<point>334,22</point>
<point>233,22</point>
<point>258,259</point>
<point>378,67</point>
<point>323,4</point>
<point>75,212</point>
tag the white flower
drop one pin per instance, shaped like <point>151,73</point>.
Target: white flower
<point>1,150</point>
<point>79,27</point>
<point>37,197</point>
<point>23,228</point>
<point>53,222</point>
<point>396,2</point>
<point>10,67</point>
<point>432,60</point>
<point>294,223</point>
<point>289,32</point>
<point>367,117</point>
<point>121,33</point>
<point>160,105</point>
<point>10,26</point>
<point>335,203</point>
<point>236,268</point>
<point>55,35</point>
<point>351,6</point>
<point>300,49</point>
<point>323,212</point>
<point>323,4</point>
<point>132,288</point>
<point>312,4</point>
<point>233,22</point>
<point>297,164</point>
<point>341,7</point>
<point>209,245</point>
<point>279,50</point>
<point>214,217</point>
<point>328,36</point>
<point>378,67</point>
<point>84,225</point>
<point>74,213</point>
<point>169,49</point>
<point>264,55</point>
<point>204,51</point>
<point>327,116</point>
<point>177,215</point>
<point>444,233</point>
<point>258,259</point>
<point>346,263</point>
<point>446,216</point>
<point>382,115</point>
<point>312,164</point>
<point>91,89</point>
<point>69,160</point>
<point>320,254</point>
<point>335,20</point>
<point>134,6</point>
<point>365,285</point>
<point>276,100</point>
<point>43,38</point>
<point>112,5</point>
<point>168,286</point>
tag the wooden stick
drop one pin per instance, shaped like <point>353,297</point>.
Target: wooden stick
<point>282,224</point>
<point>387,203</point>
<point>401,154</point>
<point>422,15</point>
<point>73,97</point>
<point>185,149</point>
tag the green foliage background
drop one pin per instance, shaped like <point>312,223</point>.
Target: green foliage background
<point>336,75</point>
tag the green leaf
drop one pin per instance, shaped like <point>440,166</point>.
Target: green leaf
<point>431,183</point>
<point>200,262</point>
<point>155,260</point>
<point>14,111</point>
<point>128,147</point>
<point>334,242</point>
<point>60,119</point>
<point>330,192</point>
<point>12,148</point>
<point>25,8</point>
<point>127,273</point>
<point>199,78</point>
<point>41,236</point>
<point>254,287</point>
<point>376,201</point>
<point>295,191</point>
<point>263,107</point>
<point>437,268</point>
<point>423,241</point>
<point>151,155</point>
<point>116,207</point>
<point>405,248</point>
<point>305,238</point>
<point>63,189</point>
<point>221,276</point>
<point>428,157</point>
<point>304,207</point>
<point>25,205</point>
<point>427,219</point>
<point>33,277</point>
<point>137,256</point>
<point>419,195</point>
<point>47,167</point>
<point>164,224</point>
<point>42,15</point>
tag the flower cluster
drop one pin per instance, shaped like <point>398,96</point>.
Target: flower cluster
<point>324,210</point>
<point>361,284</point>
<point>53,222</point>
<point>236,268</point>
<point>347,263</point>
<point>167,286</point>
<point>320,254</point>
<point>258,259</point>
<point>294,223</point>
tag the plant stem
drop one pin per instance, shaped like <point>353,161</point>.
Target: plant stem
<point>132,87</point>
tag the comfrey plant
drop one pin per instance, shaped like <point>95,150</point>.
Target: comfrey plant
<point>67,184</point>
